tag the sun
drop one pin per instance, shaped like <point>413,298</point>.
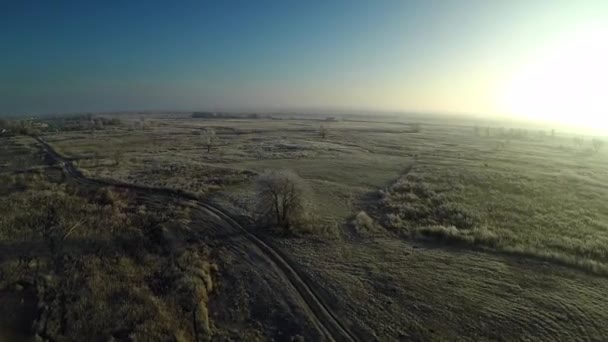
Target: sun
<point>566,83</point>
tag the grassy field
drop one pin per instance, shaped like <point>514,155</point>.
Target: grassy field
<point>533,195</point>
<point>80,263</point>
<point>432,229</point>
<point>392,290</point>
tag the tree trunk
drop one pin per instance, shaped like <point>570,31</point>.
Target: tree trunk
<point>278,212</point>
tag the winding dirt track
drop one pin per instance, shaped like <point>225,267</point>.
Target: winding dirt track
<point>323,318</point>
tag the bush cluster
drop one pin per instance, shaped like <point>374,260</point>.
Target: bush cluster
<point>411,203</point>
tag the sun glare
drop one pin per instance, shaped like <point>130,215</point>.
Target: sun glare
<point>566,83</point>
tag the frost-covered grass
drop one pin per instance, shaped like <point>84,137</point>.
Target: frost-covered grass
<point>533,194</point>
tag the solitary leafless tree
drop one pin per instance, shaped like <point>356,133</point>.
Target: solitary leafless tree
<point>117,156</point>
<point>476,130</point>
<point>281,198</point>
<point>597,144</point>
<point>209,138</point>
<point>323,132</point>
<point>416,127</point>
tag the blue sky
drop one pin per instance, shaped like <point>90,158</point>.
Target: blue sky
<point>67,56</point>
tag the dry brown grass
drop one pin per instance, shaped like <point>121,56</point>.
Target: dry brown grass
<point>96,267</point>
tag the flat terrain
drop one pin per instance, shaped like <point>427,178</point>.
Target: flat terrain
<point>539,195</point>
<point>426,231</point>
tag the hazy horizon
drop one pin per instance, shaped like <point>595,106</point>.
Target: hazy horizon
<point>541,60</point>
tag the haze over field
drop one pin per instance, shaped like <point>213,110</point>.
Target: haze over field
<point>340,171</point>
<point>532,59</point>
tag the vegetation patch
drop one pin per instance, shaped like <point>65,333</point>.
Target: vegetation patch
<point>413,208</point>
<point>98,266</point>
<point>410,203</point>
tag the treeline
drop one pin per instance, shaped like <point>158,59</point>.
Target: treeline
<point>54,124</point>
<point>19,127</point>
<point>80,123</point>
<point>512,133</point>
<point>215,115</point>
<point>524,134</point>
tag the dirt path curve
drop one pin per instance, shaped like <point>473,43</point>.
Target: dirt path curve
<point>325,320</point>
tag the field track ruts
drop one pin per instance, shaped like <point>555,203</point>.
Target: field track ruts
<point>323,317</point>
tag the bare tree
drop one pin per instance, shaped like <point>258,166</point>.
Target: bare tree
<point>99,124</point>
<point>209,138</point>
<point>416,127</point>
<point>96,158</point>
<point>542,134</point>
<point>117,155</point>
<point>281,198</point>
<point>597,144</point>
<point>323,132</point>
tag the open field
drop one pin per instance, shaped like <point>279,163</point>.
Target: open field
<point>80,259</point>
<point>536,195</point>
<point>392,290</point>
<point>82,263</point>
<point>426,231</point>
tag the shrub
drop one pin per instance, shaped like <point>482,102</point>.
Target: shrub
<point>364,223</point>
<point>441,233</point>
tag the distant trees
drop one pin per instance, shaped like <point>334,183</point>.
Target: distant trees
<point>79,123</point>
<point>578,141</point>
<point>204,115</point>
<point>281,198</point>
<point>217,115</point>
<point>26,127</point>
